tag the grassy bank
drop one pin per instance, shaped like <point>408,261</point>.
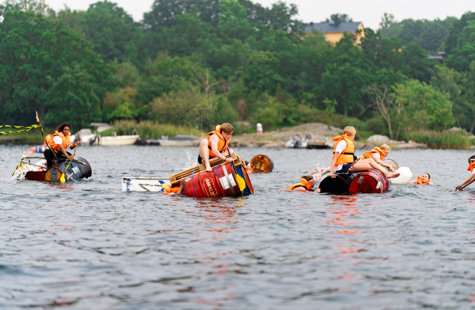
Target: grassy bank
<point>442,139</point>
<point>150,130</point>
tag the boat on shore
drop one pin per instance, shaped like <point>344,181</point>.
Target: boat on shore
<point>117,140</point>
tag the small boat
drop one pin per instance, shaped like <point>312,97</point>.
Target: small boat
<point>33,167</point>
<point>86,136</point>
<point>117,140</point>
<point>178,140</point>
<point>371,181</point>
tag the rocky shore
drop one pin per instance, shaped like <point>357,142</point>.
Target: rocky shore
<point>315,132</point>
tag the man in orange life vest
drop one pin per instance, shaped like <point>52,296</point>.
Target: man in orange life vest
<point>471,177</point>
<point>58,143</point>
<point>343,159</point>
<point>216,144</point>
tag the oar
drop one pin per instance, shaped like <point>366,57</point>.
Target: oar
<point>241,182</point>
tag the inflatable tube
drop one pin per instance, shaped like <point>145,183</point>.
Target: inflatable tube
<point>405,174</point>
<point>371,181</point>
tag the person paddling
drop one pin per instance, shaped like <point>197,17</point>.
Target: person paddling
<point>469,180</point>
<point>216,144</point>
<point>57,144</point>
<point>343,159</point>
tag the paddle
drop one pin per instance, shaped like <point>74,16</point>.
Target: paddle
<point>241,182</point>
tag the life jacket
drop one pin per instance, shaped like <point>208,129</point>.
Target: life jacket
<point>222,143</point>
<point>303,183</point>
<point>375,150</point>
<point>347,156</point>
<point>66,141</point>
<point>471,167</point>
<point>419,181</point>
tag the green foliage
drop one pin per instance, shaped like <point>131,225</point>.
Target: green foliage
<point>150,129</point>
<point>440,140</point>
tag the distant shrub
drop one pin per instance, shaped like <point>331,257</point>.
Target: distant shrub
<point>149,129</point>
<point>440,139</point>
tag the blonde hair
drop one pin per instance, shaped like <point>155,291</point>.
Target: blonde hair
<point>349,130</point>
<point>227,128</point>
<point>385,148</point>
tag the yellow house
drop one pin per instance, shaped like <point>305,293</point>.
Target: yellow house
<point>334,32</point>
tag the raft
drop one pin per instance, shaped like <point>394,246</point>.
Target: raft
<point>34,168</point>
<point>371,181</point>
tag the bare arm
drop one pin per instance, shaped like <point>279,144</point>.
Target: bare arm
<point>384,164</point>
<point>70,157</point>
<point>467,182</point>
<point>214,148</point>
<point>332,166</point>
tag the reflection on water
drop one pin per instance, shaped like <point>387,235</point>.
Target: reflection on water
<point>87,245</point>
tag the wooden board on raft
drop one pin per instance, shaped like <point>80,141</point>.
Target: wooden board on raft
<point>175,179</point>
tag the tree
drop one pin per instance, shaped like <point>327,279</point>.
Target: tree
<point>337,19</point>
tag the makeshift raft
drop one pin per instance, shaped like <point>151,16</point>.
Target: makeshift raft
<point>371,181</point>
<point>225,179</point>
<point>33,167</point>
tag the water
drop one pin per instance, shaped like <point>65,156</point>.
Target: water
<point>88,245</point>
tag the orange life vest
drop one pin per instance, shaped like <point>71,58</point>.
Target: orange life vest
<point>303,183</point>
<point>66,141</point>
<point>419,181</point>
<point>471,167</point>
<point>222,143</point>
<point>346,157</point>
<point>375,150</point>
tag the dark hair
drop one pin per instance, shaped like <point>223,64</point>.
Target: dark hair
<point>427,174</point>
<point>61,126</point>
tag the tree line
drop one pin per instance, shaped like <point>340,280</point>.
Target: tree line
<point>198,63</point>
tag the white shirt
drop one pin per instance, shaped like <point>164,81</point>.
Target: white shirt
<point>58,140</point>
<point>376,155</point>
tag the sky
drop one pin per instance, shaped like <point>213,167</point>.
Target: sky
<point>369,12</point>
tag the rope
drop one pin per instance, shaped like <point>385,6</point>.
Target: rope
<point>17,128</point>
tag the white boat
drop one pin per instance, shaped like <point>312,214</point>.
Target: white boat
<point>117,140</point>
<point>86,136</point>
<point>143,184</point>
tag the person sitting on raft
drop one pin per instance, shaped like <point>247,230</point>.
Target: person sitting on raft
<point>216,144</point>
<point>423,180</point>
<point>469,180</point>
<point>343,160</point>
<point>306,184</point>
<point>57,144</point>
<point>377,153</point>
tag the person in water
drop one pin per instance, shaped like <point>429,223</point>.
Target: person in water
<point>469,180</point>
<point>377,153</point>
<point>343,160</point>
<point>306,184</point>
<point>57,143</point>
<point>424,179</point>
<point>216,144</point>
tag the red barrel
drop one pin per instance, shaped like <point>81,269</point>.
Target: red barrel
<point>203,184</point>
<point>371,181</point>
<point>226,179</point>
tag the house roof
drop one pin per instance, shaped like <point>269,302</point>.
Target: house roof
<point>329,27</point>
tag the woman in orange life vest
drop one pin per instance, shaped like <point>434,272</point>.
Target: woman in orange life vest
<point>306,184</point>
<point>343,156</point>
<point>216,144</point>
<point>423,180</point>
<point>471,177</point>
<point>58,143</point>
<point>378,154</point>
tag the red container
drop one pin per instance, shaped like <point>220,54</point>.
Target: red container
<point>371,181</point>
<point>191,186</point>
<point>226,179</point>
<point>201,185</point>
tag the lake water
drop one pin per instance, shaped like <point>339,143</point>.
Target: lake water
<point>88,245</point>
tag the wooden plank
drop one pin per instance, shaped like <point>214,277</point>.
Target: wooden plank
<point>175,179</point>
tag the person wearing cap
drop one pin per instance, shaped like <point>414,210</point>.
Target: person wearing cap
<point>469,180</point>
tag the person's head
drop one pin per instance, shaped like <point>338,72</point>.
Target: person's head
<point>471,159</point>
<point>310,179</point>
<point>227,130</point>
<point>386,148</point>
<point>349,131</point>
<point>65,128</point>
<point>425,177</point>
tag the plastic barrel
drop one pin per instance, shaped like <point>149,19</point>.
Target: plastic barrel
<point>243,174</point>
<point>261,163</point>
<point>226,179</point>
<point>371,181</point>
<point>337,185</point>
<point>191,186</point>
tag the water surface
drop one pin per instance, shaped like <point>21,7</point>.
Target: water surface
<point>88,245</point>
